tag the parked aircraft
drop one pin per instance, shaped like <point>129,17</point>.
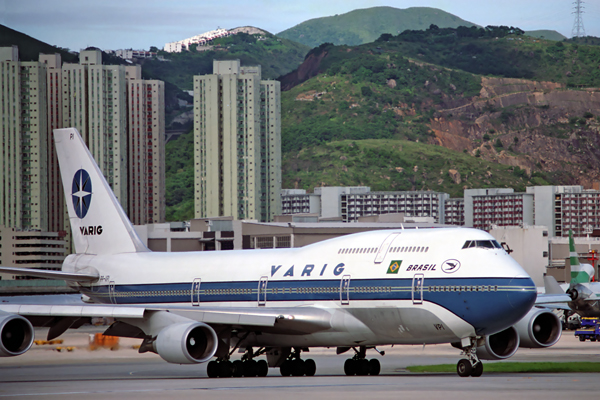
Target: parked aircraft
<point>584,294</point>
<point>355,292</point>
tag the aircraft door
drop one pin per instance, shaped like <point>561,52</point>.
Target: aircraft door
<point>417,288</point>
<point>345,290</point>
<point>384,247</point>
<point>195,294</point>
<point>111,292</point>
<point>262,290</point>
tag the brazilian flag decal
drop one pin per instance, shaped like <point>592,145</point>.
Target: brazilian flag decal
<point>394,267</point>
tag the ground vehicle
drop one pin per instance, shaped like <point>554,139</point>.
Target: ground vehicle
<point>590,329</point>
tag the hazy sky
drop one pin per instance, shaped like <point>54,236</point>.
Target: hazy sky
<point>139,24</point>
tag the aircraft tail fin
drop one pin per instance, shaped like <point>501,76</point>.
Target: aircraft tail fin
<point>98,222</point>
<point>580,273</point>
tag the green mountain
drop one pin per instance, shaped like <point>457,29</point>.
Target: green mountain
<point>366,25</point>
<point>546,34</point>
<point>30,48</point>
<point>276,56</point>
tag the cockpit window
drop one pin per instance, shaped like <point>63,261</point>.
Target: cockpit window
<point>482,244</point>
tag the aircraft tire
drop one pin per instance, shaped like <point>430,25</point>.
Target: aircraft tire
<point>225,369</point>
<point>238,369</point>
<point>262,368</point>
<point>350,367</point>
<point>363,367</point>
<point>310,367</point>
<point>298,367</point>
<point>464,368</point>
<point>286,368</point>
<point>212,369</point>
<point>250,368</point>
<point>375,366</point>
<point>477,370</point>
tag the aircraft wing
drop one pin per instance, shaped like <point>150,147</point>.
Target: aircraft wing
<point>47,310</point>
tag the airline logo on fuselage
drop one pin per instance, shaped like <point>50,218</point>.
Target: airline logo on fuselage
<point>450,266</point>
<point>308,270</point>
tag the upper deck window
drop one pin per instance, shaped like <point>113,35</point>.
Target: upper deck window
<point>482,244</point>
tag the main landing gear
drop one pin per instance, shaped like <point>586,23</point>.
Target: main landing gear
<point>359,365</point>
<point>247,366</point>
<point>295,366</point>
<point>472,365</point>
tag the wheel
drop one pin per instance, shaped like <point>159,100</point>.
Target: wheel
<point>593,338</point>
<point>250,368</point>
<point>310,367</point>
<point>225,369</point>
<point>238,369</point>
<point>582,338</point>
<point>363,367</point>
<point>477,370</point>
<point>298,367</point>
<point>262,368</point>
<point>286,368</point>
<point>350,367</point>
<point>375,366</point>
<point>212,369</point>
<point>464,368</point>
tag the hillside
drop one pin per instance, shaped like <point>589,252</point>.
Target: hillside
<point>546,34</point>
<point>543,132</point>
<point>275,55</point>
<point>30,48</point>
<point>366,25</point>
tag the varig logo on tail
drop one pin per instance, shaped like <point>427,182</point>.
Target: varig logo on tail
<point>81,192</point>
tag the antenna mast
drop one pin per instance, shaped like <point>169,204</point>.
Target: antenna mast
<point>578,29</point>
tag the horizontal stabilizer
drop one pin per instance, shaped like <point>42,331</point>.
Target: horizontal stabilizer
<point>40,273</point>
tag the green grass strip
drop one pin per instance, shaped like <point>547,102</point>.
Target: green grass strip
<point>517,367</point>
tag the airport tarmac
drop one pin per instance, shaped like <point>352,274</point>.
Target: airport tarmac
<point>46,373</point>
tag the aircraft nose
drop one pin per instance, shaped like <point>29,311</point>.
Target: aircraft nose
<point>512,302</point>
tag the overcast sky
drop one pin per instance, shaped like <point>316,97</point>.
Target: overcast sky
<point>139,24</point>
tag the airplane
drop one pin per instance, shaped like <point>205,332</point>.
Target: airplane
<point>355,292</point>
<point>584,294</point>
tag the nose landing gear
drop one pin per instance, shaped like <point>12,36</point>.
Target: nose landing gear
<point>359,365</point>
<point>470,366</point>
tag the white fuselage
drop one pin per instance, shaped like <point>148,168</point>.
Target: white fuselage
<point>380,287</point>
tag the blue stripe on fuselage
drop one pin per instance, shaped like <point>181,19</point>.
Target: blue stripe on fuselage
<point>485,303</point>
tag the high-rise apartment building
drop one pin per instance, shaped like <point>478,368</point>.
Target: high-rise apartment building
<point>38,97</point>
<point>146,148</point>
<point>57,216</point>
<point>23,160</point>
<point>237,143</point>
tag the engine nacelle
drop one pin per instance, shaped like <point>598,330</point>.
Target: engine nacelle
<point>186,343</point>
<point>499,346</point>
<point>539,328</point>
<point>16,335</point>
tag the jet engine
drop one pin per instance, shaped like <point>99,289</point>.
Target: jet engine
<point>16,335</point>
<point>539,328</point>
<point>186,343</point>
<point>499,346</point>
